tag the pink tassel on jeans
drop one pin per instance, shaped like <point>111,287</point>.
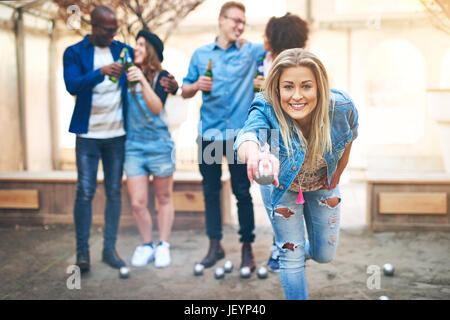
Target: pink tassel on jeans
<point>300,199</point>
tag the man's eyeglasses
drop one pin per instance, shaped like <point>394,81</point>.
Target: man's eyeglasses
<point>237,21</point>
<point>107,30</point>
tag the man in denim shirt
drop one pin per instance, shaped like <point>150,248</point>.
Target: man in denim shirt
<point>222,114</point>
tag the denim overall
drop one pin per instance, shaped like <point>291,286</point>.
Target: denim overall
<point>149,148</point>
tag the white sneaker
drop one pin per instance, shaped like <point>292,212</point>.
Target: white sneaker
<point>162,255</point>
<point>142,256</point>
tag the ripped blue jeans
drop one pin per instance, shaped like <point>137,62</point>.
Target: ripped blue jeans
<point>288,222</point>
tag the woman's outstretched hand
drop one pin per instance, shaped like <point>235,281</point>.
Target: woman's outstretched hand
<point>253,161</point>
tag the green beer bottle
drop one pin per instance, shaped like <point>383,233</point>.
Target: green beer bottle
<point>208,73</point>
<point>128,63</point>
<point>120,60</point>
<point>259,71</point>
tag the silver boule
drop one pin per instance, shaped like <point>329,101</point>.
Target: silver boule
<point>388,269</point>
<point>262,272</point>
<point>198,269</point>
<point>219,273</point>
<point>245,272</point>
<point>384,298</point>
<point>265,174</point>
<point>124,273</point>
<point>228,266</point>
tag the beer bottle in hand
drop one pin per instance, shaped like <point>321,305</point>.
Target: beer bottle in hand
<point>128,63</point>
<point>208,73</point>
<point>259,71</point>
<point>120,61</point>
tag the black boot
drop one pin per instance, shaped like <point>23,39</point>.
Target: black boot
<point>83,261</point>
<point>111,258</point>
<point>215,253</point>
<point>247,256</point>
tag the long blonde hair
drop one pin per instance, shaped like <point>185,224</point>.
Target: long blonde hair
<point>319,142</point>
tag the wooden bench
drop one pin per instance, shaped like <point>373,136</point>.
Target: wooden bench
<point>48,197</point>
<point>19,199</point>
<point>417,202</point>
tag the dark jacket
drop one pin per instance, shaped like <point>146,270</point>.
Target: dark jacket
<point>80,78</point>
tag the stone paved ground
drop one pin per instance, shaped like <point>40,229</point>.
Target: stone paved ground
<point>34,262</point>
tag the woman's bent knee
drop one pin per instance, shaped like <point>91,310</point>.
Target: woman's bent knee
<point>292,257</point>
<point>139,206</point>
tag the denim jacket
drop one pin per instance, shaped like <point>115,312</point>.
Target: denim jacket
<point>262,125</point>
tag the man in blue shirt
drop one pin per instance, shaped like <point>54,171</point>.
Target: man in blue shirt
<point>222,114</point>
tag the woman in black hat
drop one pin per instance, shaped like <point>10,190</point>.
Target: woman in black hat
<point>149,149</point>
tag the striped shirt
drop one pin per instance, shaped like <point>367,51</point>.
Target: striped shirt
<point>106,120</point>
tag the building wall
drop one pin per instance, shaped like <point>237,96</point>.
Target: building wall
<point>37,107</point>
<point>37,129</point>
<point>383,58</point>
<point>11,154</point>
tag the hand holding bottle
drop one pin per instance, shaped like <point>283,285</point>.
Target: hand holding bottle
<point>135,74</point>
<point>258,83</point>
<point>204,83</point>
<point>119,61</point>
<point>112,70</point>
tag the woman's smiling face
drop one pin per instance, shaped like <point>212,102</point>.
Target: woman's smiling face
<point>298,93</point>
<point>140,51</point>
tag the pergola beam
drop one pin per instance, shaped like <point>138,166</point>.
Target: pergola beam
<point>29,9</point>
<point>19,32</point>
<point>33,4</point>
<point>52,105</point>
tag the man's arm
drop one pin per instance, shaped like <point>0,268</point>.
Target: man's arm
<point>203,83</point>
<point>189,90</point>
<point>77,82</point>
<point>194,81</point>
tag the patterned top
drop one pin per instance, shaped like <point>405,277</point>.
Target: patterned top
<point>310,178</point>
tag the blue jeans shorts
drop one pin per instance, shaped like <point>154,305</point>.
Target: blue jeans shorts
<point>143,163</point>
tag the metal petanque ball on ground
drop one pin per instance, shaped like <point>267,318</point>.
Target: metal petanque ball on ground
<point>384,298</point>
<point>228,266</point>
<point>388,269</point>
<point>262,273</point>
<point>198,269</point>
<point>124,273</point>
<point>219,273</point>
<point>245,272</point>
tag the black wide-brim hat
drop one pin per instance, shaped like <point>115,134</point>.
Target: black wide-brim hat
<point>154,40</point>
